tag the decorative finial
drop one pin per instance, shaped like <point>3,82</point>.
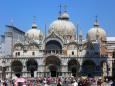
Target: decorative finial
<point>60,9</point>
<point>65,7</point>
<point>96,23</point>
<point>34,19</point>
<point>96,18</point>
<point>34,26</point>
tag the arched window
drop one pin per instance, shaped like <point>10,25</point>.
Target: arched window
<point>53,45</point>
<point>18,53</point>
<point>72,52</point>
<point>33,53</point>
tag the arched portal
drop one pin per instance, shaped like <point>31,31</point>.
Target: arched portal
<point>73,67</point>
<point>88,68</point>
<point>32,66</point>
<point>17,66</point>
<point>53,64</point>
<point>53,45</point>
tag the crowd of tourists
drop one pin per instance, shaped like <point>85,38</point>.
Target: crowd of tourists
<point>57,81</point>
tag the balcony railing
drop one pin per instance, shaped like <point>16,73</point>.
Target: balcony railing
<point>54,52</point>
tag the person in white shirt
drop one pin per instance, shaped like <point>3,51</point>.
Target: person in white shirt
<point>75,83</point>
<point>45,84</point>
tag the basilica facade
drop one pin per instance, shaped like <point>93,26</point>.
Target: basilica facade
<point>60,52</point>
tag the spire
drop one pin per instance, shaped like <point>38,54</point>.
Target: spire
<point>77,36</point>
<point>96,23</point>
<point>77,27</point>
<point>65,15</point>
<point>60,10</point>
<point>34,26</point>
<point>80,34</point>
<point>80,39</point>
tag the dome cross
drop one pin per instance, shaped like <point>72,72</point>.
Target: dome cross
<point>34,26</point>
<point>60,9</point>
<point>96,23</point>
<point>65,7</point>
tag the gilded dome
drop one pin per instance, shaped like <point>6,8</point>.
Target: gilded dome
<point>34,33</point>
<point>96,32</point>
<point>62,26</point>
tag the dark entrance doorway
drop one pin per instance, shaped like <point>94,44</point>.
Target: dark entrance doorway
<point>53,64</point>
<point>53,70</point>
<point>74,71</point>
<point>73,67</point>
<point>88,68</point>
<point>53,74</point>
<point>32,66</point>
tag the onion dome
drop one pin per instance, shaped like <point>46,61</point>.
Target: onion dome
<point>34,33</point>
<point>62,26</point>
<point>96,33</point>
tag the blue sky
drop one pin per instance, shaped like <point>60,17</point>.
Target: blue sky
<point>81,12</point>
